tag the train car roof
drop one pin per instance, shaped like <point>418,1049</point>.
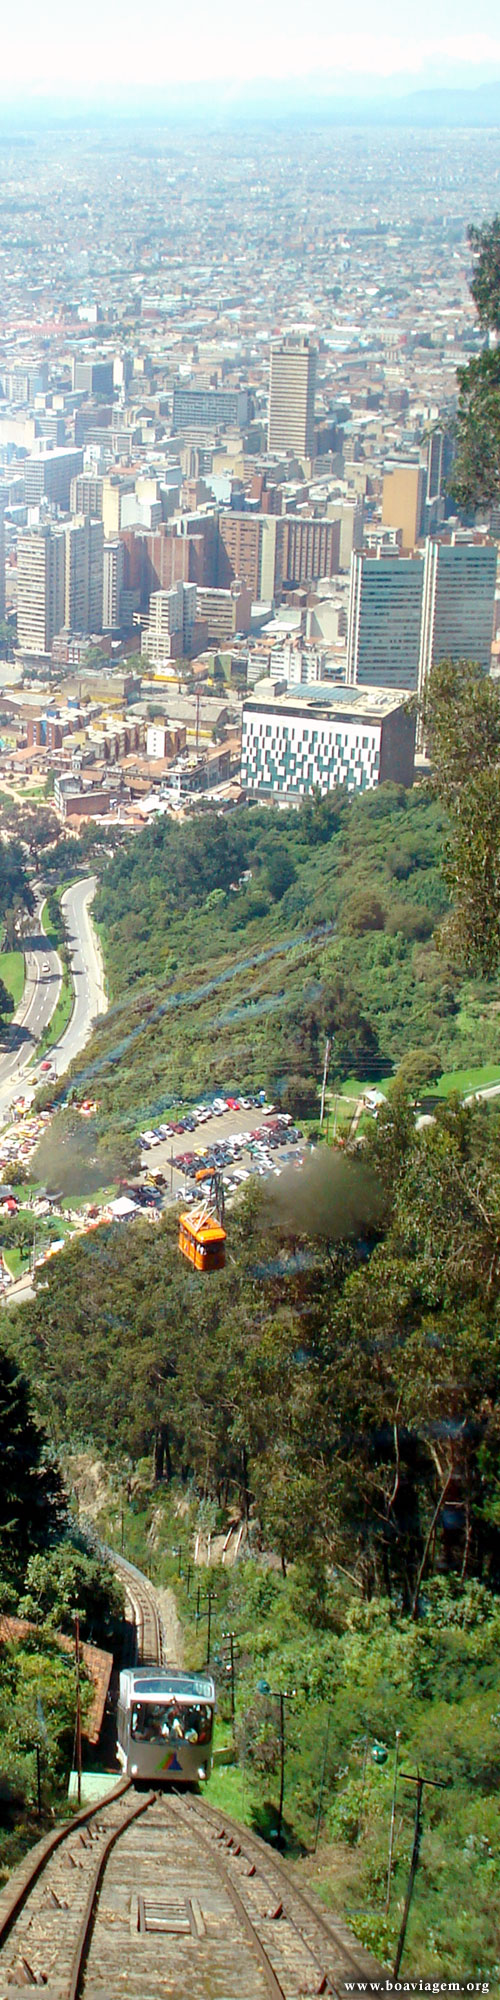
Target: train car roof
<point>160,1683</point>
<point>207,1231</point>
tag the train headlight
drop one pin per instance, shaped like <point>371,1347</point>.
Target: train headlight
<point>133,1770</point>
<point>202,1770</point>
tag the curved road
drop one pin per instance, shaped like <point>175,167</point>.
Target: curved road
<point>41,993</point>
<point>86,969</point>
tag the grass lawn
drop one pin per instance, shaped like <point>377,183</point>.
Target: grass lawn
<point>460,1081</point>
<point>59,1019</point>
<point>12,973</point>
<point>466,1080</point>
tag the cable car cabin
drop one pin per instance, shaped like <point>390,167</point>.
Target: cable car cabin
<point>203,1241</point>
<point>165,1725</point>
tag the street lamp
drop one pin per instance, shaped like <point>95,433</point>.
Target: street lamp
<point>281,1695</point>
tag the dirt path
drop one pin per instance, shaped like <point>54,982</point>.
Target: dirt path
<point>172,1627</point>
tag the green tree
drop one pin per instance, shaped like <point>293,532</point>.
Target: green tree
<point>476,476</point>
<point>462,719</point>
<point>31,1500</point>
<point>66,1579</point>
<point>418,1069</point>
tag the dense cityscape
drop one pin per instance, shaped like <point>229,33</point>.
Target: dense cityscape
<point>249,1067</point>
<point>228,376</point>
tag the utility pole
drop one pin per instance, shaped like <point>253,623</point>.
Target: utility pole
<point>393,1822</point>
<point>437,1785</point>
<point>321,1787</point>
<point>38,1782</point>
<point>78,1711</point>
<point>230,1636</point>
<point>326,1066</point>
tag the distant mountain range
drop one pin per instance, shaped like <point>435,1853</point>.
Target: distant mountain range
<point>307,101</point>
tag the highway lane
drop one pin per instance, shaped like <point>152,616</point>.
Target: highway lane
<point>18,1072</point>
<point>86,967</point>
<point>41,993</point>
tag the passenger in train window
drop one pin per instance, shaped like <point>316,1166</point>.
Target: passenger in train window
<point>175,1723</point>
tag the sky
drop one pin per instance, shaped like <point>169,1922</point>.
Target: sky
<point>109,47</point>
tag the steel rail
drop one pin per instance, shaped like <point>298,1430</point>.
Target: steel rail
<point>83,1940</point>
<point>250,1845</point>
<point>42,1854</point>
<point>274,1984</point>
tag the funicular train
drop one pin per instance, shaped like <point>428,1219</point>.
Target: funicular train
<point>165,1725</point>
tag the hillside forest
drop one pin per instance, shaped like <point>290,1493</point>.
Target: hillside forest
<point>336,1389</point>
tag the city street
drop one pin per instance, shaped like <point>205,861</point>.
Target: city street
<point>43,985</point>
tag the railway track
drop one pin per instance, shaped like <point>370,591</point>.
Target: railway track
<point>149,1634</point>
<point>159,1897</point>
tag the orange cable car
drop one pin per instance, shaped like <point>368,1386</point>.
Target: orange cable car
<point>202,1237</point>
<point>202,1240</point>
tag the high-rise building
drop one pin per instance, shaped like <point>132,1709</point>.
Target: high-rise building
<point>113,578</point>
<point>402,502</point>
<point>2,558</point>
<point>84,575</point>
<point>458,602</point>
<point>209,409</point>
<point>48,475</point>
<point>306,550</point>
<point>86,495</point>
<point>172,615</point>
<point>40,587</point>
<point>385,609</point>
<point>440,455</point>
<point>239,550</point>
<point>292,387</point>
<point>93,376</point>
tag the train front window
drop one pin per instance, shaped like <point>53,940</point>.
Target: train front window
<point>170,1722</point>
<point>151,1721</point>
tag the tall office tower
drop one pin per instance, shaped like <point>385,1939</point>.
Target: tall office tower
<point>239,550</point>
<point>49,474</point>
<point>209,409</point>
<point>113,579</point>
<point>402,502</point>
<point>385,608</point>
<point>2,558</point>
<point>93,376</point>
<point>86,495</point>
<point>40,588</point>
<point>83,580</point>
<point>440,456</point>
<point>458,602</point>
<point>305,550</point>
<point>292,387</point>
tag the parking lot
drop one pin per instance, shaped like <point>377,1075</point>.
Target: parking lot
<point>244,1139</point>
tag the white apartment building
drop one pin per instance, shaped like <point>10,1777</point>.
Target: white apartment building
<point>40,587</point>
<point>84,575</point>
<point>2,558</point>
<point>358,738</point>
<point>113,575</point>
<point>172,615</point>
<point>292,388</point>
